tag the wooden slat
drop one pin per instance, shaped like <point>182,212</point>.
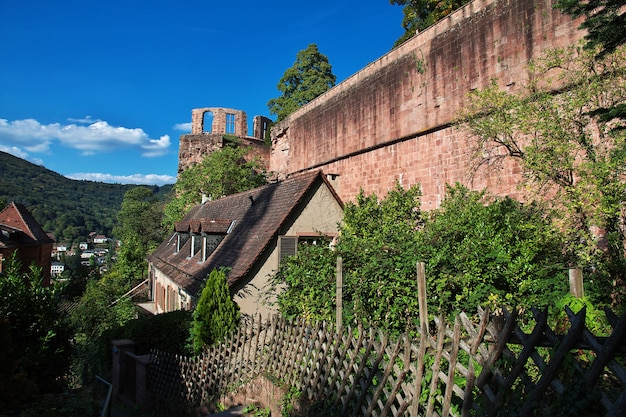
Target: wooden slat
<point>342,364</point>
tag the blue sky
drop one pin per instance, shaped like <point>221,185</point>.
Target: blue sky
<point>103,90</point>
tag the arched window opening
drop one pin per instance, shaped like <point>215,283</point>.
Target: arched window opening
<point>207,122</point>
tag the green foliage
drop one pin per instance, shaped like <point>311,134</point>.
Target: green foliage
<point>140,216</point>
<point>100,311</point>
<point>34,342</point>
<point>139,228</point>
<point>103,314</point>
<point>605,21</point>
<point>306,284</point>
<point>420,14</point>
<point>216,314</point>
<point>478,251</point>
<point>497,252</point>
<point>377,245</point>
<point>378,240</point>
<point>571,155</point>
<point>69,209</point>
<point>166,332</point>
<point>595,319</point>
<point>220,173</point>
<point>310,76</point>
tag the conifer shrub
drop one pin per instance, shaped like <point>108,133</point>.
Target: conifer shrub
<point>216,314</point>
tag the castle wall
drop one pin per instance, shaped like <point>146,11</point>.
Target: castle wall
<point>392,120</point>
<point>220,124</point>
<point>192,149</point>
<point>205,140</point>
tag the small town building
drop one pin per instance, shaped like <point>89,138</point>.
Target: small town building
<point>20,233</point>
<point>57,269</point>
<point>246,233</point>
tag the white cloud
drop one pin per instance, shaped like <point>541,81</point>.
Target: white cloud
<point>15,151</point>
<point>183,127</point>
<point>139,179</point>
<point>156,147</point>
<point>84,120</point>
<point>95,136</point>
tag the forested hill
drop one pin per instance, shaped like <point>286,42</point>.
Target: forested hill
<point>68,208</point>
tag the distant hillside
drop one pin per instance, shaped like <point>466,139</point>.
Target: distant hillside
<point>68,208</point>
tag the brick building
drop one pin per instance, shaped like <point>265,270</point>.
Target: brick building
<point>19,232</point>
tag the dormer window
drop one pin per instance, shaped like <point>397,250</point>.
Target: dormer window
<point>203,235</point>
<point>182,235</point>
<point>196,244</point>
<point>181,239</point>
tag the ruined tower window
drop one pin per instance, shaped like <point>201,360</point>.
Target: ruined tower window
<point>230,123</point>
<point>207,122</point>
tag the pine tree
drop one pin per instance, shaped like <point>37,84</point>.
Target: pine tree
<point>216,314</point>
<point>309,77</point>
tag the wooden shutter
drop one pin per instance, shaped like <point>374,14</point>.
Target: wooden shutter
<point>287,246</point>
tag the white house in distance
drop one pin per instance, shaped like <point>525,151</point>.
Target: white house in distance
<point>247,233</point>
<point>57,268</point>
<point>100,239</point>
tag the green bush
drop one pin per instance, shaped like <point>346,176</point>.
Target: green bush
<point>34,341</point>
<point>166,332</point>
<point>216,314</point>
<point>478,250</point>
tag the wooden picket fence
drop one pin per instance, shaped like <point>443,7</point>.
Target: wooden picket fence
<point>483,365</point>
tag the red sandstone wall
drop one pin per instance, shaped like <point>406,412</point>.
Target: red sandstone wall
<point>193,148</point>
<point>391,120</point>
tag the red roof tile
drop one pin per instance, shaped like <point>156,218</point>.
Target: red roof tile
<point>22,228</point>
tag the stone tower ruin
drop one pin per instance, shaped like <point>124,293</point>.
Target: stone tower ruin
<point>213,127</point>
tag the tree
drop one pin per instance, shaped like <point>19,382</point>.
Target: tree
<point>377,243</point>
<point>34,342</point>
<point>139,228</point>
<point>100,311</point>
<point>309,77</point>
<point>605,21</point>
<point>140,216</point>
<point>216,314</point>
<point>223,172</point>
<point>420,14</point>
<point>571,155</point>
<point>305,284</point>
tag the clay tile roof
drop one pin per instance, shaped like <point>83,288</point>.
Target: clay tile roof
<point>256,217</point>
<point>22,228</point>
<point>214,226</point>
<point>181,227</point>
<point>194,225</point>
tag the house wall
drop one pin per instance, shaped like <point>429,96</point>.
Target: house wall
<point>166,294</point>
<point>321,214</point>
<point>392,120</point>
<point>39,255</point>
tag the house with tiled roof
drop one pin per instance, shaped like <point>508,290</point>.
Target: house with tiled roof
<point>19,231</point>
<point>246,233</point>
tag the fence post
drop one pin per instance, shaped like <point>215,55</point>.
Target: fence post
<point>421,296</point>
<point>339,316</point>
<point>576,287</point>
<point>141,381</point>
<point>120,347</point>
